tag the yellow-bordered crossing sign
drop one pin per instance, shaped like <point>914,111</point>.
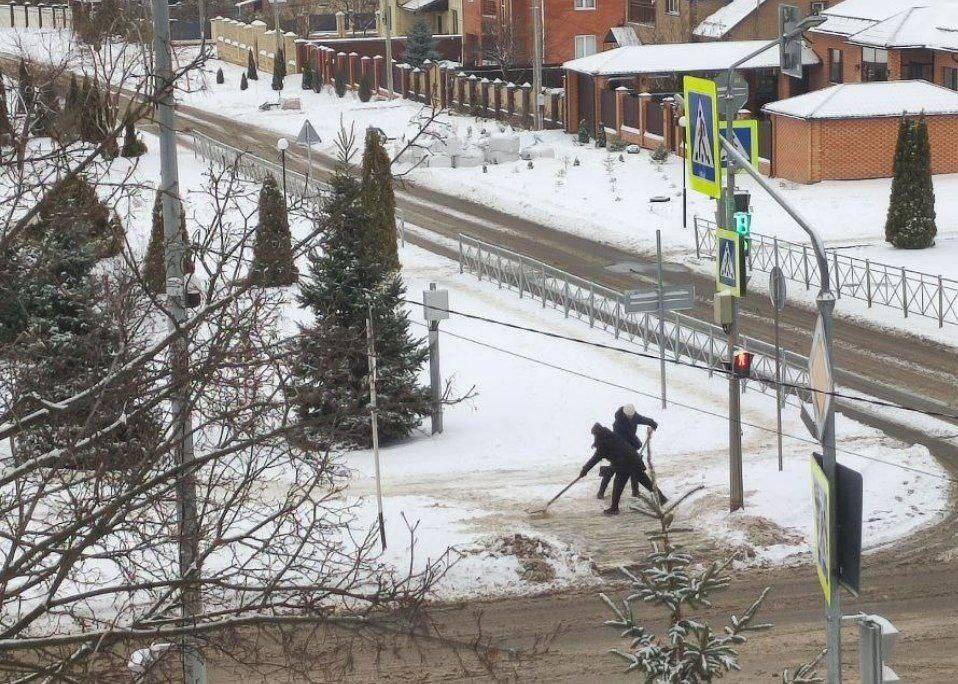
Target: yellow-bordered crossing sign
<point>729,263</point>
<point>702,147</point>
<point>821,548</point>
<point>746,140</point>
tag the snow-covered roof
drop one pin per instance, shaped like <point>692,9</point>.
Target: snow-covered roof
<point>917,27</point>
<point>624,35</point>
<point>424,5</point>
<point>679,58</point>
<point>869,100</point>
<point>719,23</point>
<point>855,16</point>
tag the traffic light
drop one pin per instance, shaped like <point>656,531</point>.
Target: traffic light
<point>742,363</point>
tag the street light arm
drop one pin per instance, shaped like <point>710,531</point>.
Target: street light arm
<point>817,243</point>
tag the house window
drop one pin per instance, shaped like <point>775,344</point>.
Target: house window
<point>919,71</point>
<point>584,46</point>
<point>642,11</point>
<point>585,4</point>
<point>672,7</point>
<point>835,73</point>
<point>874,64</point>
<point>949,76</point>
<point>819,7</point>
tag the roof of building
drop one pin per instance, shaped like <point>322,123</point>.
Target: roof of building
<point>679,58</point>
<point>624,35</point>
<point>727,17</point>
<point>869,100</point>
<point>894,23</point>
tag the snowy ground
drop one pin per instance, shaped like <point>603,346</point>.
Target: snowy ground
<point>602,197</point>
<point>526,434</point>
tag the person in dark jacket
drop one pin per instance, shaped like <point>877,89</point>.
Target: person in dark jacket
<point>625,425</point>
<point>624,460</point>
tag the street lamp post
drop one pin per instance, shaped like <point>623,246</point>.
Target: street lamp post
<point>683,122</point>
<point>282,145</point>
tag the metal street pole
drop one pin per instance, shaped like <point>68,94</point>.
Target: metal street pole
<point>194,668</point>
<point>387,21</point>
<point>279,33</point>
<point>658,259</point>
<point>374,415</point>
<point>778,358</point>
<point>537,62</point>
<point>435,379</point>
<point>826,305</point>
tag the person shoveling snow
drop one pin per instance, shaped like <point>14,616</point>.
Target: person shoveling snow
<point>625,424</point>
<point>625,460</point>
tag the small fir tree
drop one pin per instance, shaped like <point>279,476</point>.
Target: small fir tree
<point>244,83</point>
<point>911,210</point>
<point>379,199</point>
<point>154,266</point>
<point>339,83</point>
<point>272,264</point>
<point>307,83</point>
<point>319,80</point>
<point>279,70</point>
<point>220,78</point>
<point>132,145</point>
<point>365,88</point>
<point>600,137</point>
<point>251,71</point>
<point>420,45</point>
<point>583,133</point>
<point>47,110</point>
<point>331,389</point>
<point>689,651</point>
<point>74,207</point>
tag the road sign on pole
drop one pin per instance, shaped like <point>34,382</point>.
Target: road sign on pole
<point>701,136</point>
<point>820,379</point>
<point>776,283</point>
<point>730,267</point>
<point>790,47</point>
<point>746,141</point>
<point>821,505</point>
<point>732,98</point>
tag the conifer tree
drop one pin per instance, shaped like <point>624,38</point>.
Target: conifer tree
<point>279,70</point>
<point>154,266</point>
<point>68,121</point>
<point>272,264</point>
<point>47,111</point>
<point>244,83</point>
<point>251,71</point>
<point>220,79</point>
<point>911,209</point>
<point>319,80</point>
<point>379,200</point>
<point>74,207</point>
<point>132,145</point>
<point>25,87</point>
<point>339,83</point>
<point>307,83</point>
<point>365,88</point>
<point>331,371</point>
<point>420,45</point>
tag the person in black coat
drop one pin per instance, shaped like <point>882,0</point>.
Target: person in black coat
<point>624,460</point>
<point>625,425</point>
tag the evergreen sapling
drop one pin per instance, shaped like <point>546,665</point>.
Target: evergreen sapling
<point>220,78</point>
<point>279,70</point>
<point>307,83</point>
<point>272,264</point>
<point>154,266</point>
<point>365,88</point>
<point>339,83</point>
<point>379,199</point>
<point>420,45</point>
<point>244,83</point>
<point>911,216</point>
<point>132,145</point>
<point>251,71</point>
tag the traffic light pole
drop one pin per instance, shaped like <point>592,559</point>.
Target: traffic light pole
<point>826,305</point>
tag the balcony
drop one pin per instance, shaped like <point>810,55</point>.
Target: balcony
<point>642,11</point>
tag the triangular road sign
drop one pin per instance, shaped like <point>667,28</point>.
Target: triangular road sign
<point>702,145</point>
<point>307,135</point>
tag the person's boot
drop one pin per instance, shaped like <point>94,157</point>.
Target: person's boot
<point>610,511</point>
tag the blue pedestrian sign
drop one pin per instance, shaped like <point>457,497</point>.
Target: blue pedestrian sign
<point>729,264</point>
<point>746,141</point>
<point>701,136</point>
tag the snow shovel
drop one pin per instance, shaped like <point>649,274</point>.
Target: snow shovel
<point>544,511</point>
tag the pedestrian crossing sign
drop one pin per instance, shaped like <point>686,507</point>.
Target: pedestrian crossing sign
<point>729,271</point>
<point>746,142</point>
<point>702,145</point>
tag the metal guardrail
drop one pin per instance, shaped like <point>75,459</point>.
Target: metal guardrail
<point>684,336</point>
<point>911,292</point>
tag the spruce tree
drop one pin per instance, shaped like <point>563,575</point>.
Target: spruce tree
<point>318,81</point>
<point>379,200</point>
<point>420,45</point>
<point>132,145</point>
<point>154,265</point>
<point>345,276</point>
<point>365,88</point>
<point>272,264</point>
<point>339,83</point>
<point>244,84</point>
<point>307,83</point>
<point>47,112</point>
<point>220,79</point>
<point>251,71</point>
<point>74,207</point>
<point>911,209</point>
<point>279,70</point>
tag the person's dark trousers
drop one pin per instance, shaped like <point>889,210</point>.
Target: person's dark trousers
<point>636,478</point>
<point>621,477</point>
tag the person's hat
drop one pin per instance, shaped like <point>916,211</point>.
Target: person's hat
<point>628,410</point>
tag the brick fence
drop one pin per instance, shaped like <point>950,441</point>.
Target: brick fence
<point>16,15</point>
<point>235,40</point>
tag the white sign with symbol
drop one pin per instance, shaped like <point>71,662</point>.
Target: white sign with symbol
<point>820,379</point>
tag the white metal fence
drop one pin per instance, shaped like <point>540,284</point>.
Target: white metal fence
<point>911,292</point>
<point>685,338</point>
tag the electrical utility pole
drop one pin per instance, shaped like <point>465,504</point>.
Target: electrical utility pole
<point>537,62</point>
<point>435,308</point>
<point>386,20</point>
<point>374,416</point>
<point>194,668</point>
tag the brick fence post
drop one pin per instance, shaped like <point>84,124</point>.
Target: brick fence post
<point>620,94</point>
<point>644,99</point>
<point>353,69</point>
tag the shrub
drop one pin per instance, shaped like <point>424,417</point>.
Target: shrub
<point>220,79</point>
<point>365,88</point>
<point>584,136</point>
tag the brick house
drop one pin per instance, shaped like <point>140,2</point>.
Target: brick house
<point>849,131</point>
<point>687,21</point>
<point>571,28</point>
<point>887,40</point>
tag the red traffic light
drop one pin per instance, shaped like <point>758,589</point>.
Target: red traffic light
<point>742,363</point>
